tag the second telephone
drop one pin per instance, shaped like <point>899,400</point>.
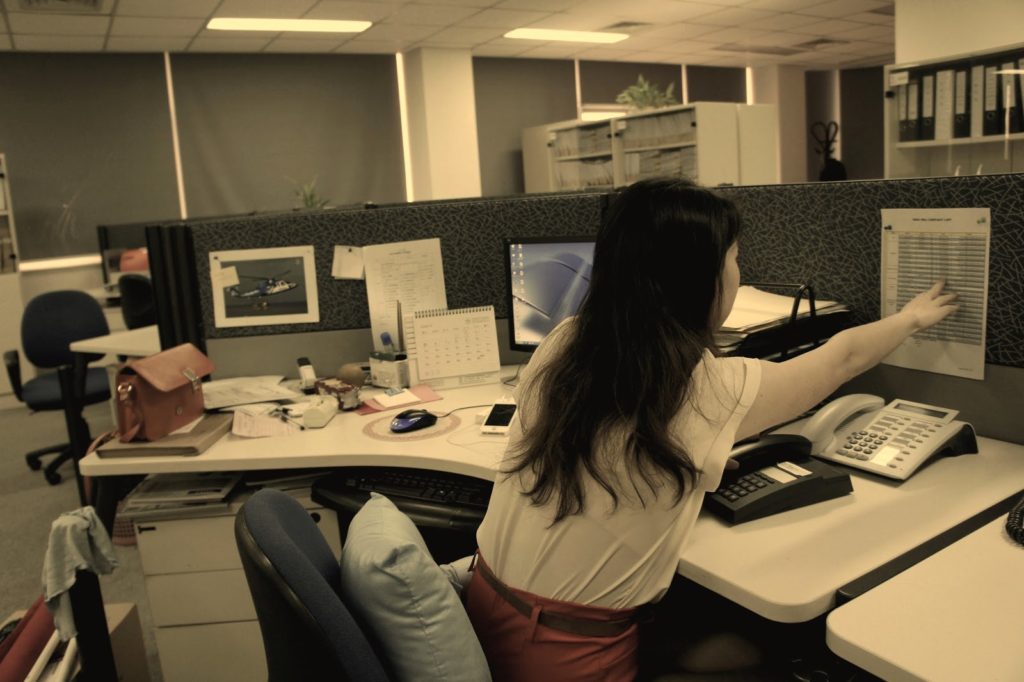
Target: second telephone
<point>892,440</point>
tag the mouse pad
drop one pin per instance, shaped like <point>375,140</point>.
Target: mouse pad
<point>380,429</point>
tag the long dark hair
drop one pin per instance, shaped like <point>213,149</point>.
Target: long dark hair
<point>626,363</point>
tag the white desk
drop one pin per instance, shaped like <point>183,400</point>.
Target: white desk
<point>955,616</point>
<point>788,567</point>
<point>133,342</point>
<point>785,567</point>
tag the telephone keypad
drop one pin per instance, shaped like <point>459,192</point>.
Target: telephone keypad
<point>744,485</point>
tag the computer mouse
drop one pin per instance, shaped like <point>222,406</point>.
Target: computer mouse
<point>412,420</point>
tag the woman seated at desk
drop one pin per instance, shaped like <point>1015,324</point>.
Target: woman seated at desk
<point>627,416</point>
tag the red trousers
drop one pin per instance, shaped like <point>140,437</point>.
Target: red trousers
<point>519,649</point>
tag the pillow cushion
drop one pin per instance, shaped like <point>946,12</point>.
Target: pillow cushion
<point>390,581</point>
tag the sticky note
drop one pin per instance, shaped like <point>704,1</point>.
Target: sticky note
<point>348,262</point>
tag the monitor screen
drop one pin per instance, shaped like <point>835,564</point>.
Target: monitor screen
<point>547,280</point>
<point>123,249</point>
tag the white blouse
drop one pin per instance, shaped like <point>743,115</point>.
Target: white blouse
<point>625,556</point>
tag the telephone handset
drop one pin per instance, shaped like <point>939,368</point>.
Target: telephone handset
<point>775,473</point>
<point>892,440</point>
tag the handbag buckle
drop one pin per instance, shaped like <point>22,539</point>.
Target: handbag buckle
<point>124,392</point>
<point>191,376</point>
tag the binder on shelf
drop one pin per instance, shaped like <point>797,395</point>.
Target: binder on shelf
<point>961,106</point>
<point>926,131</point>
<point>913,110</point>
<point>993,102</point>
<point>901,113</point>
<point>944,104</point>
<point>977,82</point>
<point>1011,100</point>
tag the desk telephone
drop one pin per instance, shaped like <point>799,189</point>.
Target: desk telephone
<point>777,472</point>
<point>891,440</point>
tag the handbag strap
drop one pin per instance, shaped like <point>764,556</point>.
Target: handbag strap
<point>128,417</point>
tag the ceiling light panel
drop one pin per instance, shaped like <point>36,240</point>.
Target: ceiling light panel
<point>556,35</point>
<point>294,25</point>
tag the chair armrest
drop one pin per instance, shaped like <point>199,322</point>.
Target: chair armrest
<point>13,364</point>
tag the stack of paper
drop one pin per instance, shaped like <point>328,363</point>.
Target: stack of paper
<point>759,311</point>
<point>166,496</point>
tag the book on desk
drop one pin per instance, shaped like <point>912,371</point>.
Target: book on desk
<point>196,441</point>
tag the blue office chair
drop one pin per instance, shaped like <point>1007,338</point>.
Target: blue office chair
<point>137,306</point>
<point>50,323</point>
<point>295,581</point>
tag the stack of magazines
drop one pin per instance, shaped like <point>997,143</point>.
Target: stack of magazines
<point>177,496</point>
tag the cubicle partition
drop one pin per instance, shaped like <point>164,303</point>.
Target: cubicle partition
<point>828,234</point>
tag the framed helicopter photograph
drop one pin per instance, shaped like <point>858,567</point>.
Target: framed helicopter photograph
<point>264,286</point>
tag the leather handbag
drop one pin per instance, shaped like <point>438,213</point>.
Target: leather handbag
<point>160,393</point>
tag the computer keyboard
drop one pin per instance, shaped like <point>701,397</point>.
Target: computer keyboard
<point>419,484</point>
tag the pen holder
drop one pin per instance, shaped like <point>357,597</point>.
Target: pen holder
<point>389,373</point>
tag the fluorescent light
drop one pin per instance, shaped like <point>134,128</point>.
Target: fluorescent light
<point>306,25</point>
<point>552,34</point>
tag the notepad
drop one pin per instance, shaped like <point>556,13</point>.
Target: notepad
<point>449,348</point>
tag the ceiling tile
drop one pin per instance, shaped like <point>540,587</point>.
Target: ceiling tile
<point>239,44</point>
<point>539,5</point>
<point>353,11</point>
<point>553,51</point>
<point>291,44</point>
<point>876,33</point>
<point>265,36</point>
<point>733,35</point>
<point>58,43</point>
<point>680,31</point>
<point>786,21</point>
<point>57,24</point>
<point>457,35</point>
<point>151,44</point>
<point>5,42</point>
<point>152,26</point>
<point>575,22</point>
<point>399,32</point>
<point>783,39</point>
<point>733,16</point>
<point>872,18</point>
<point>782,5</point>
<point>829,27</point>
<point>490,50</point>
<point>843,8</point>
<point>106,7</point>
<point>430,15</point>
<point>505,19</point>
<point>286,9</point>
<point>368,47</point>
<point>464,3</point>
<point>603,54</point>
<point>162,8</point>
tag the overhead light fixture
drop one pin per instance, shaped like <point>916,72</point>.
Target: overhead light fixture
<point>557,35</point>
<point>274,25</point>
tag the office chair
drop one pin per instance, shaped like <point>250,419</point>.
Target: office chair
<point>50,323</point>
<point>295,582</point>
<point>137,305</point>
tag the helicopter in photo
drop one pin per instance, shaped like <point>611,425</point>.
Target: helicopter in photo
<point>264,287</point>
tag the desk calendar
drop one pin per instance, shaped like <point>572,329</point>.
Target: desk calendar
<point>449,348</point>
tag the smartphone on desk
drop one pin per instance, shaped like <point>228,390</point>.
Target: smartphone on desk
<point>775,473</point>
<point>499,417</point>
<point>893,440</point>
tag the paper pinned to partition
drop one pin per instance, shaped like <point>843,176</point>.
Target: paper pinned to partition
<point>411,273</point>
<point>921,246</point>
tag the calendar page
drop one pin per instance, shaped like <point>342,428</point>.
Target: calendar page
<point>454,347</point>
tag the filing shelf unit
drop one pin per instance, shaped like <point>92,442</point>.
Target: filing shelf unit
<point>203,615</point>
<point>997,153</point>
<point>713,143</point>
<point>10,286</point>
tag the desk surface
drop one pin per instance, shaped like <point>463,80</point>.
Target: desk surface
<point>955,616</point>
<point>133,342</point>
<point>788,567</point>
<point>785,567</point>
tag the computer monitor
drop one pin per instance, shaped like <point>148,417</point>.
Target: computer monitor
<point>123,250</point>
<point>547,280</point>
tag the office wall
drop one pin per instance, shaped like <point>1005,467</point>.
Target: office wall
<point>254,127</point>
<point>820,88</point>
<point>601,82</point>
<point>935,29</point>
<point>88,140</point>
<point>862,112</point>
<point>716,84</point>
<point>512,94</point>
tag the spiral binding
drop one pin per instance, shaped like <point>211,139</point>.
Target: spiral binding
<point>1015,522</point>
<point>444,312</point>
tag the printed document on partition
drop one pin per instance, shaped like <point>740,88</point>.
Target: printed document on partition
<point>402,277</point>
<point>921,246</point>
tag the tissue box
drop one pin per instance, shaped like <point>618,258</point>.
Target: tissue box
<point>389,373</point>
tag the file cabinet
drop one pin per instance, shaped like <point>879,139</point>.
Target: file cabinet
<point>203,616</point>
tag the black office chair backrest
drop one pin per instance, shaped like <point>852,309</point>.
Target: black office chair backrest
<point>53,320</point>
<point>137,306</point>
<point>308,634</point>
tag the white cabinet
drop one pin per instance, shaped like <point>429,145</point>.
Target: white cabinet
<point>937,114</point>
<point>204,619</point>
<point>712,143</point>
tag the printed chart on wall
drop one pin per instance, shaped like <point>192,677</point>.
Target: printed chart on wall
<point>920,246</point>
